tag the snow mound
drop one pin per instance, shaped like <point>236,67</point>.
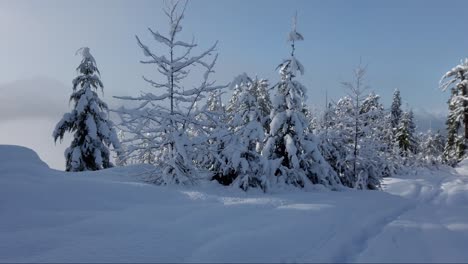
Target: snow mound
<point>462,167</point>
<point>19,157</point>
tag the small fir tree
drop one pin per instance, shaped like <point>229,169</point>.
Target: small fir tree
<point>405,136</point>
<point>93,133</point>
<point>292,151</point>
<point>243,164</point>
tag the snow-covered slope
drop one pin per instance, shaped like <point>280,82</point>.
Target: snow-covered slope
<point>435,226</point>
<point>108,216</point>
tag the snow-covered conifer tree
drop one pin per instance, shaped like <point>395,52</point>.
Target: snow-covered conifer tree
<point>412,127</point>
<point>457,79</point>
<point>431,148</point>
<point>454,147</point>
<point>243,166</point>
<point>93,133</point>
<point>237,86</point>
<point>260,91</point>
<point>335,137</point>
<point>377,132</point>
<point>395,110</point>
<point>217,133</point>
<point>170,116</point>
<point>289,145</point>
<point>405,136</point>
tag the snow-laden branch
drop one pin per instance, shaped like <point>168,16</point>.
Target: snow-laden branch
<point>458,73</point>
<point>161,61</point>
<point>145,97</point>
<point>160,38</point>
<point>177,66</point>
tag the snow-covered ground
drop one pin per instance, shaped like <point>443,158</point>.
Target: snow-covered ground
<point>108,216</point>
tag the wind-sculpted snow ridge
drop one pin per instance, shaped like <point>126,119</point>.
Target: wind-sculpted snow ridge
<point>111,216</point>
<point>15,156</point>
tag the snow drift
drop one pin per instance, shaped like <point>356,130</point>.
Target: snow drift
<point>109,216</point>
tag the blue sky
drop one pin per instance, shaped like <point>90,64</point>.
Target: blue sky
<point>407,44</point>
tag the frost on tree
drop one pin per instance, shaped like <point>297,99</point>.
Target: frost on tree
<point>431,148</point>
<point>395,110</point>
<point>457,122</point>
<point>93,133</point>
<point>377,132</point>
<point>454,148</point>
<point>406,137</point>
<point>169,115</point>
<point>353,144</point>
<point>293,153</point>
<point>217,134</point>
<point>335,137</point>
<point>241,164</point>
<point>259,90</point>
<point>119,158</point>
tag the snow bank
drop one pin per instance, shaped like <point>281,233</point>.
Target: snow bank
<point>20,157</point>
<point>108,216</point>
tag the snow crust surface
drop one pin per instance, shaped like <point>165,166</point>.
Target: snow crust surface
<point>110,216</point>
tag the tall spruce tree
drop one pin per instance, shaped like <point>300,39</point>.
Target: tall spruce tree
<point>405,136</point>
<point>412,127</point>
<point>457,80</point>
<point>92,132</point>
<point>395,110</point>
<point>454,147</point>
<point>291,149</point>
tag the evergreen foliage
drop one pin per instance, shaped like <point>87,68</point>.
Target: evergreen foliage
<point>457,120</point>
<point>93,133</point>
<point>292,151</point>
